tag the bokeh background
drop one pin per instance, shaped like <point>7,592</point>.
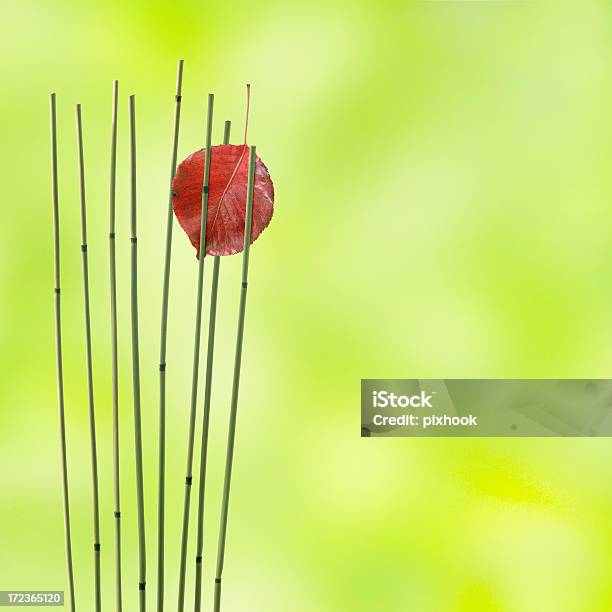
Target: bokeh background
<point>443,209</point>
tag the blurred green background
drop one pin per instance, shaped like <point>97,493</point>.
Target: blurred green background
<point>442,210</point>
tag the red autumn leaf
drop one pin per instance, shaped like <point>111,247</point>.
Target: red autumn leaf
<point>226,198</point>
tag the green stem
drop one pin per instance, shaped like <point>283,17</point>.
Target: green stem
<point>196,359</point>
<point>58,356</point>
<point>162,354</point>
<point>90,391</point>
<point>114,352</point>
<point>236,382</point>
<point>206,415</point>
<point>142,566</point>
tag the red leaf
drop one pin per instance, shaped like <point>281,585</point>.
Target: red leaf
<point>226,198</point>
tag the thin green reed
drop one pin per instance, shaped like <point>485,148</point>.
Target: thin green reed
<point>90,391</point>
<point>162,352</point>
<point>58,355</point>
<point>142,565</point>
<point>114,352</point>
<point>196,358</point>
<point>236,382</point>
<point>206,415</point>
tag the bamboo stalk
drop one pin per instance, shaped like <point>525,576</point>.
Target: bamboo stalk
<point>58,356</point>
<point>162,354</point>
<point>196,359</point>
<point>236,382</point>
<point>114,352</point>
<point>142,566</point>
<point>90,391</point>
<point>206,416</point>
